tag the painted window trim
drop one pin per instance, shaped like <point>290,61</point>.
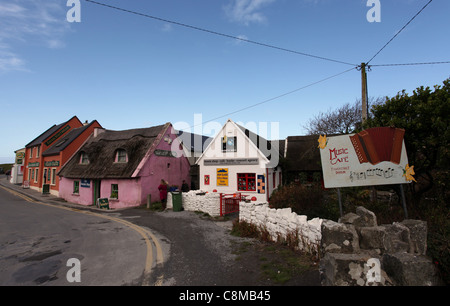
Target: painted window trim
<point>84,158</point>
<point>247,177</point>
<point>116,156</point>
<point>78,188</point>
<point>53,180</point>
<point>112,192</point>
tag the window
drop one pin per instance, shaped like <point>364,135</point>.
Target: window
<point>31,152</point>
<point>53,176</point>
<point>84,159</point>
<point>36,176</point>
<point>121,156</point>
<point>76,187</point>
<point>229,144</point>
<point>246,182</point>
<point>30,174</point>
<point>38,149</point>
<point>114,191</point>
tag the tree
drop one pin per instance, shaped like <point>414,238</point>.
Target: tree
<point>425,117</point>
<point>344,120</point>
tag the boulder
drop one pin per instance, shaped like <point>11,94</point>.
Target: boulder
<point>368,218</point>
<point>337,269</point>
<point>418,235</point>
<point>341,238</point>
<point>410,270</point>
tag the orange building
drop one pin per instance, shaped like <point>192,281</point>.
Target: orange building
<point>46,154</point>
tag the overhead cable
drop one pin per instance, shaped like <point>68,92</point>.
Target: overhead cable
<point>399,31</point>
<point>218,33</point>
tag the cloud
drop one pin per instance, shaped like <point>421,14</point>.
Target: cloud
<point>39,22</point>
<point>247,11</point>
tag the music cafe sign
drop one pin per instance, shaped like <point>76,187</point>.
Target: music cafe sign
<point>375,156</point>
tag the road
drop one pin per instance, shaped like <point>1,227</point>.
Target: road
<point>38,235</point>
<point>37,240</point>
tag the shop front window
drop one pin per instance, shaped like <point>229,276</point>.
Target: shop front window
<point>246,182</point>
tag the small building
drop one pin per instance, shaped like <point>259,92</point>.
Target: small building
<point>125,167</point>
<point>18,167</point>
<point>45,155</point>
<point>240,161</point>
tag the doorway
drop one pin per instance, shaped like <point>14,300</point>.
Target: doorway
<point>96,193</point>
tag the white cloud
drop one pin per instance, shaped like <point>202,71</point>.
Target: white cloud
<point>247,11</point>
<point>40,22</point>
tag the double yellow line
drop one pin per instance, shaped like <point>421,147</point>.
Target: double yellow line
<point>146,235</point>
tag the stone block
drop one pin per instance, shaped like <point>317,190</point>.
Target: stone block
<point>418,234</point>
<point>368,218</point>
<point>337,269</point>
<point>397,238</point>
<point>372,237</point>
<point>410,270</point>
<point>342,237</point>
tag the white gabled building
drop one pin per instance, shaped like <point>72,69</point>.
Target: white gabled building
<point>240,161</point>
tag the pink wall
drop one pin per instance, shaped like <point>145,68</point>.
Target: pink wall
<point>129,192</point>
<point>157,168</point>
<point>84,197</point>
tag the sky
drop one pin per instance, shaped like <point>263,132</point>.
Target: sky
<point>129,71</point>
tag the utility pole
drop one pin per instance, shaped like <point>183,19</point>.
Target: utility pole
<point>364,94</point>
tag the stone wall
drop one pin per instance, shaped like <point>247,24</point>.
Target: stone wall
<point>358,251</point>
<point>197,200</point>
<point>280,223</point>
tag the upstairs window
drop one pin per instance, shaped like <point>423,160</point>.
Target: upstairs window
<point>121,156</point>
<point>84,159</point>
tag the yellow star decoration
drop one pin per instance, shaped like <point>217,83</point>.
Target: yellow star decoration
<point>322,141</point>
<point>408,173</point>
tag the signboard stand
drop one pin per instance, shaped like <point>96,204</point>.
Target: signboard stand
<point>403,201</point>
<point>340,201</point>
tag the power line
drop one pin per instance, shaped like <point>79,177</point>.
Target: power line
<point>412,64</point>
<point>218,33</point>
<point>275,98</point>
<point>399,31</point>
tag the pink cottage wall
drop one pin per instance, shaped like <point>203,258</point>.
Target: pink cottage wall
<point>172,169</point>
<point>84,197</point>
<point>129,192</point>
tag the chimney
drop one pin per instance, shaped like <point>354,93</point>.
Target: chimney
<point>86,123</point>
<point>98,131</point>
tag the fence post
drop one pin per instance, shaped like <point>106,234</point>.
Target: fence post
<point>221,204</point>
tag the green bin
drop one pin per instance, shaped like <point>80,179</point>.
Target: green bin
<point>176,201</point>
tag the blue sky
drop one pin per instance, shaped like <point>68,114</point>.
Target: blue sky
<point>128,71</point>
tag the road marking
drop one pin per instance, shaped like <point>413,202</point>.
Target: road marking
<point>146,234</point>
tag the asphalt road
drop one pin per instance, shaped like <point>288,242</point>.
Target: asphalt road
<point>130,247</point>
<point>36,242</point>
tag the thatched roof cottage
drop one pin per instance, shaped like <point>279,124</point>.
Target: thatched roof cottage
<point>124,166</point>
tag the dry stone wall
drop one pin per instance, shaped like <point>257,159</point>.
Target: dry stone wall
<point>281,223</point>
<point>358,252</point>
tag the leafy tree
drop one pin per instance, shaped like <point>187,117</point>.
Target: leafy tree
<point>425,117</point>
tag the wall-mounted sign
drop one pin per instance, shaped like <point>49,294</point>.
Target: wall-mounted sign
<point>53,163</point>
<point>36,164</point>
<point>222,176</point>
<point>231,162</point>
<point>206,179</point>
<point>375,156</point>
<point>85,183</point>
<point>57,135</point>
<point>165,153</point>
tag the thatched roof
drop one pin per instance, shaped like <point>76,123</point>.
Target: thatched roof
<point>302,153</point>
<point>102,149</point>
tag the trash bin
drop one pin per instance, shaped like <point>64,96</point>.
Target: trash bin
<point>176,201</point>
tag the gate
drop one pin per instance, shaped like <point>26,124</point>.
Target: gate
<point>229,203</point>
